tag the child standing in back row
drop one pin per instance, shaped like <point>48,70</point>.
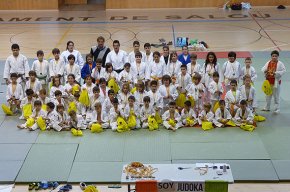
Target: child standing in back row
<point>231,70</point>
<point>249,70</point>
<point>41,67</point>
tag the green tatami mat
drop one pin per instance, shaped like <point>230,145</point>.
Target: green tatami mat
<point>52,136</point>
<point>144,145</point>
<point>106,146</point>
<point>277,121</point>
<point>223,135</point>
<point>11,134</point>
<point>2,118</point>
<point>244,170</point>
<point>282,168</point>
<point>14,152</point>
<point>9,170</point>
<point>49,162</point>
<point>247,150</point>
<point>89,137</point>
<point>276,142</point>
<point>99,172</point>
<point>284,94</point>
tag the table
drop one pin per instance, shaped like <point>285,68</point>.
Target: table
<point>184,173</point>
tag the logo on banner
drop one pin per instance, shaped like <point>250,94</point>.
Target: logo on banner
<point>181,187</point>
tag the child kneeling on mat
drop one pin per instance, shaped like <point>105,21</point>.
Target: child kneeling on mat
<point>32,123</point>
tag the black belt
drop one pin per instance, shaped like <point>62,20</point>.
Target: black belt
<point>119,70</point>
<point>20,75</point>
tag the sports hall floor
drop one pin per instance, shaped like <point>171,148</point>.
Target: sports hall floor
<point>262,155</point>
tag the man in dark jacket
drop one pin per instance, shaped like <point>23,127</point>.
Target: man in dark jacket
<point>100,51</point>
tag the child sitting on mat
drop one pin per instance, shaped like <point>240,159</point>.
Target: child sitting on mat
<point>52,118</point>
<point>63,117</point>
<point>244,115</point>
<point>76,121</point>
<point>99,117</point>
<point>188,115</point>
<point>222,114</point>
<point>115,112</point>
<point>171,118</point>
<point>14,93</point>
<point>132,109</point>
<point>207,115</point>
<point>27,104</point>
<point>31,123</point>
<point>146,111</point>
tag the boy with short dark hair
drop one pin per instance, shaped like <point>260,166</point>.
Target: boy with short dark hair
<point>27,104</point>
<point>244,115</point>
<point>188,115</point>
<point>171,118</point>
<point>14,93</point>
<point>56,65</point>
<point>274,70</point>
<point>222,115</point>
<point>232,98</point>
<point>231,70</point>
<point>41,67</point>
<point>146,111</point>
<point>37,112</point>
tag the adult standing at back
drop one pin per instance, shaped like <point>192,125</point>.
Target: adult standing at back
<point>16,63</point>
<point>184,58</point>
<point>71,51</point>
<point>100,51</point>
<point>117,57</point>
